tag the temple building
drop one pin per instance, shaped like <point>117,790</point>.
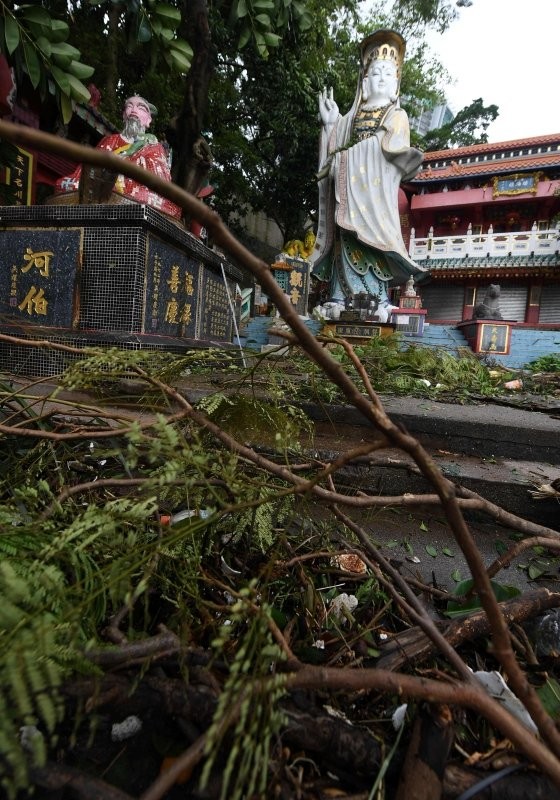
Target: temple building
<point>485,215</point>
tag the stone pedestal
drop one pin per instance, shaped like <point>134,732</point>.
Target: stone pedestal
<point>487,336</point>
<point>114,275</point>
<point>410,316</point>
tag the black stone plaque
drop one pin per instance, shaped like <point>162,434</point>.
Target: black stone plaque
<point>38,276</point>
<point>363,331</point>
<point>19,178</point>
<point>216,320</point>
<point>494,338</point>
<point>293,281</point>
<point>172,291</point>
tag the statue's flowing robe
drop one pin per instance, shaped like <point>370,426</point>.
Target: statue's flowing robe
<point>146,152</point>
<point>359,240</point>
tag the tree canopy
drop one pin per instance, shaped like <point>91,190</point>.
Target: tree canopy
<point>468,127</point>
<point>236,83</point>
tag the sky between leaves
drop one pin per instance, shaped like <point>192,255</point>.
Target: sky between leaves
<point>506,51</point>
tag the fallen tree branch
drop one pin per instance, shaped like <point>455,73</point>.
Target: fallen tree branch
<point>506,558</point>
<point>373,412</point>
<point>413,645</point>
<point>410,687</point>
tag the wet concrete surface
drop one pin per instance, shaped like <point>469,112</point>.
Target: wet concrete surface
<point>479,429</point>
<point>465,442</point>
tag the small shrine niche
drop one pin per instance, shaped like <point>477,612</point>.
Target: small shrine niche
<point>410,316</point>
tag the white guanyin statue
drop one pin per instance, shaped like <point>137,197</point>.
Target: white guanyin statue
<point>364,156</point>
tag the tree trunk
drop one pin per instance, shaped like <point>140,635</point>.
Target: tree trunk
<point>193,158</point>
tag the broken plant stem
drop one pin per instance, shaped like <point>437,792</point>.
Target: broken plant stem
<point>506,558</point>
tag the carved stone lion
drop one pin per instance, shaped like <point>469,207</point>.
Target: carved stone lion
<point>490,306</point>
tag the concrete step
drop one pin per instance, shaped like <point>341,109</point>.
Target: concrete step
<point>483,429</point>
<point>500,453</point>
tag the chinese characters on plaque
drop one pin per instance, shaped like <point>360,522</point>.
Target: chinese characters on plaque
<point>487,337</point>
<point>172,291</point>
<point>216,321</point>
<point>19,178</point>
<point>292,275</point>
<point>38,278</point>
<point>494,339</point>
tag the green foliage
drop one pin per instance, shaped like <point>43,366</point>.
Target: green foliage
<point>549,694</point>
<point>547,363</point>
<point>154,26</point>
<point>257,525</point>
<point>37,45</point>
<point>257,21</point>
<point>259,718</point>
<point>415,370</point>
<point>266,147</point>
<point>462,607</point>
<point>412,17</point>
<point>254,420</point>
<point>35,656</point>
<point>468,127</point>
<point>68,564</point>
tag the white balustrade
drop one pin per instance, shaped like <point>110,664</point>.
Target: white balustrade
<point>481,245</point>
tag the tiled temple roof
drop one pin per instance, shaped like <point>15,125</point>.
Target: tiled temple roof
<point>492,147</point>
<point>477,160</point>
<point>511,165</point>
<point>502,265</point>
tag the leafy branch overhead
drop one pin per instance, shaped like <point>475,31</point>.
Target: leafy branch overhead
<point>259,20</point>
<point>37,44</point>
<point>155,24</point>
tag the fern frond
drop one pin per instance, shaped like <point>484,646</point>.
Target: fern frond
<point>259,719</point>
<point>31,672</point>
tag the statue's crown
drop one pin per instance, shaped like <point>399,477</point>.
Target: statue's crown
<point>383,45</point>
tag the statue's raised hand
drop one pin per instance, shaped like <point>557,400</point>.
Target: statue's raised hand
<point>328,109</point>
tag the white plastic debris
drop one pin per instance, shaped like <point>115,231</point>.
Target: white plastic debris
<point>500,691</point>
<point>226,569</point>
<point>319,644</point>
<point>126,729</point>
<point>335,712</point>
<point>341,602</point>
<point>26,735</point>
<point>398,716</point>
<point>188,513</point>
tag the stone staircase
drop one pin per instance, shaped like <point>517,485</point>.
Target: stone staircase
<point>446,337</point>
